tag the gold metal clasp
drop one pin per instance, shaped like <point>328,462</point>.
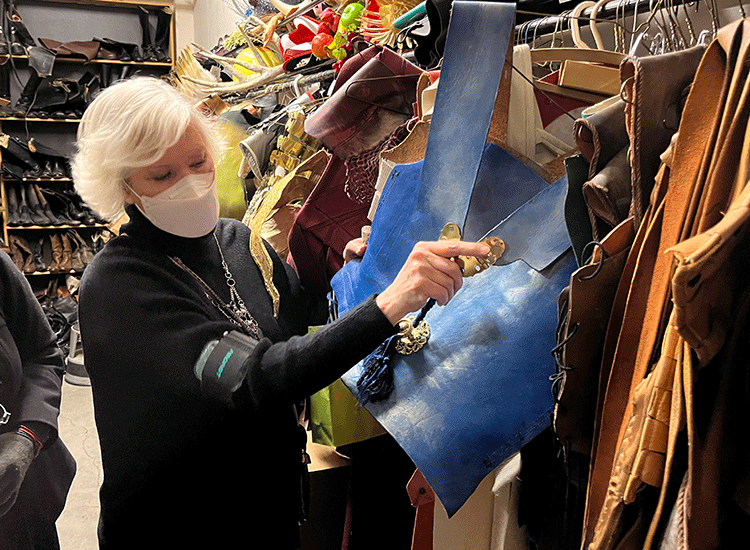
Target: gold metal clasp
<point>474,265</point>
<point>412,338</point>
<point>471,265</point>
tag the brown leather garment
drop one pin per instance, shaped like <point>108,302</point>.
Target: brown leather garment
<point>700,195</point>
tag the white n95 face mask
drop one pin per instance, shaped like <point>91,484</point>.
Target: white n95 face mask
<point>190,208</point>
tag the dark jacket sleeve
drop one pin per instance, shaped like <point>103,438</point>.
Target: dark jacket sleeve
<point>305,364</point>
<point>37,396</point>
<point>144,322</point>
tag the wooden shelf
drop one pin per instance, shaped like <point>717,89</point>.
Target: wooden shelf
<point>41,180</point>
<point>56,227</point>
<point>73,20</point>
<point>30,119</point>
<point>108,3</point>
<point>72,271</point>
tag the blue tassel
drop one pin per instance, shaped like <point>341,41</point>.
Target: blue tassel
<point>376,381</point>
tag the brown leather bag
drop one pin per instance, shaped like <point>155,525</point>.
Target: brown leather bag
<point>649,391</point>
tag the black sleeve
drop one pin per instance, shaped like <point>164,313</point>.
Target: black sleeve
<point>41,360</point>
<point>143,324</point>
<point>305,364</point>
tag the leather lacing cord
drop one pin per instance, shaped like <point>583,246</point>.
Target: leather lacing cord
<point>601,262</point>
<point>562,327</point>
<point>557,353</point>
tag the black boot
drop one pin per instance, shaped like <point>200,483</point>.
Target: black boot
<point>13,218</point>
<point>89,83</point>
<point>105,75</point>
<point>24,215</point>
<point>35,209</point>
<point>18,153</point>
<point>5,109</point>
<point>62,207</point>
<point>4,43</point>
<point>125,72</point>
<point>39,261</point>
<point>23,105</point>
<point>20,38</point>
<point>35,172</point>
<point>46,210</point>
<point>149,51</point>
<point>163,33</point>
<point>78,209</point>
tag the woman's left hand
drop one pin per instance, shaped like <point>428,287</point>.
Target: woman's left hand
<point>354,249</point>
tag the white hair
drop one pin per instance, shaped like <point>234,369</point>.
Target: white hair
<point>130,125</point>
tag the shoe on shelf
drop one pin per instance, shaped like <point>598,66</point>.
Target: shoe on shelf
<point>20,38</point>
<point>39,261</point>
<point>13,217</point>
<point>163,33</point>
<point>46,209</point>
<point>23,256</point>
<point>57,252</point>
<point>35,208</point>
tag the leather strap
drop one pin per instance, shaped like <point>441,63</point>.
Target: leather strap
<point>422,497</point>
<point>454,147</point>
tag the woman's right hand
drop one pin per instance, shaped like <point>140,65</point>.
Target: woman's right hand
<point>429,272</point>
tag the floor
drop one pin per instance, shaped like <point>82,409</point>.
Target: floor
<point>77,524</point>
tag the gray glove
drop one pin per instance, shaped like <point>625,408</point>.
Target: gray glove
<point>16,454</point>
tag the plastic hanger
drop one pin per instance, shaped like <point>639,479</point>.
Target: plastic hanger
<point>575,28</point>
<point>587,74</point>
<point>593,26</point>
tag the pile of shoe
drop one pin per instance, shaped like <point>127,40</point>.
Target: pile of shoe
<point>60,306</point>
<point>20,162</point>
<point>52,97</point>
<point>62,252</point>
<point>32,205</point>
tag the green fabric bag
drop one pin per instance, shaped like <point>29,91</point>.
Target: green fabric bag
<point>338,419</point>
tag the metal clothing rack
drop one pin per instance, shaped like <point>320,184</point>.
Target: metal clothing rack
<point>547,24</point>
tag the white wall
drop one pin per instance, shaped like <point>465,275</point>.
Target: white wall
<point>202,22</point>
<point>212,19</point>
<point>184,24</point>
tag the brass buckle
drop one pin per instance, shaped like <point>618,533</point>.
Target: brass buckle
<point>471,265</point>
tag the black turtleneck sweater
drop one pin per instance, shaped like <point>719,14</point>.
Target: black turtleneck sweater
<point>180,470</point>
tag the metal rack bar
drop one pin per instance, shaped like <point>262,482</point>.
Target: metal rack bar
<point>547,24</point>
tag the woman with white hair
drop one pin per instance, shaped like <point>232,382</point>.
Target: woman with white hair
<point>193,376</point>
